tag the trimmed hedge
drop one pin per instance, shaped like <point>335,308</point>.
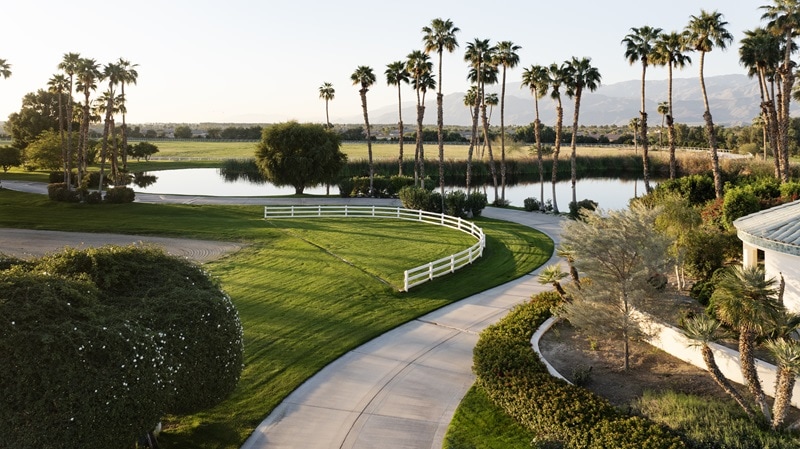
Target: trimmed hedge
<point>516,380</point>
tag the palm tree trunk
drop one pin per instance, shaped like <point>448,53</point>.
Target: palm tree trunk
<point>125,131</point>
<point>473,141</point>
<point>783,396</point>
<point>400,126</point>
<point>645,140</point>
<point>721,380</point>
<point>115,174</point>
<point>418,164</point>
<point>538,135</point>
<point>556,151</point>
<point>748,367</point>
<point>671,130</point>
<point>63,141</point>
<point>573,157</point>
<point>488,144</point>
<point>712,138</point>
<point>503,137</point>
<point>440,127</point>
<point>363,93</point>
<point>786,73</point>
<point>68,178</point>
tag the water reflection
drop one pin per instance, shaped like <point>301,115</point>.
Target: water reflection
<point>609,193</point>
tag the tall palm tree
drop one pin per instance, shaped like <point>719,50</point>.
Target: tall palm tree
<point>419,67</point>
<point>580,75</point>
<point>487,74</point>
<point>58,84</point>
<point>128,75</point>
<point>5,69</point>
<point>536,79</point>
<point>327,93</point>
<point>475,55</point>
<point>634,124</point>
<point>663,110</point>
<point>784,20</point>
<point>492,100</point>
<point>669,52</point>
<point>396,75</point>
<point>69,64</point>
<point>438,37</point>
<point>505,56</point>
<point>365,77</point>
<point>760,52</point>
<point>747,302</point>
<point>88,74</point>
<point>113,73</point>
<point>704,33</point>
<point>705,330</point>
<point>557,75</point>
<point>639,47</point>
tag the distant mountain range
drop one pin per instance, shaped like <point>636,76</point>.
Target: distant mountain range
<point>734,100</point>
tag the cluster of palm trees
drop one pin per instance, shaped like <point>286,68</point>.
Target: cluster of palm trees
<point>82,75</point>
<point>748,303</point>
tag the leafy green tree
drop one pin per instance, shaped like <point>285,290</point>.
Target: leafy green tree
<point>536,79</point>
<point>10,157</point>
<point>44,153</point>
<point>669,52</point>
<point>704,33</point>
<point>746,301</point>
<point>143,150</point>
<point>438,37</point>
<point>582,75</point>
<point>396,75</point>
<point>39,113</point>
<point>364,76</point>
<point>327,93</point>
<point>300,155</point>
<point>622,256</point>
<point>639,46</point>
<point>182,132</point>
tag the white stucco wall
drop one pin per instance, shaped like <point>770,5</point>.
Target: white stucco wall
<point>776,263</point>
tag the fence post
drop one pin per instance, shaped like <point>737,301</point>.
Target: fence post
<point>453,262</point>
<point>405,281</point>
<point>430,271</point>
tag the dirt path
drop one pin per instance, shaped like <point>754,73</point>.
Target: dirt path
<point>27,243</point>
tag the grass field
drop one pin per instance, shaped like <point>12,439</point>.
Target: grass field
<point>301,306</point>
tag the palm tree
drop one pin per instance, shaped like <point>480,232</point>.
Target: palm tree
<point>5,69</point>
<point>113,73</point>
<point>128,75</point>
<point>438,37</point>
<point>705,330</point>
<point>557,75</point>
<point>580,75</point>
<point>327,92</point>
<point>552,274</point>
<point>487,73</point>
<point>419,68</point>
<point>365,77</point>
<point>639,47</point>
<point>747,302</point>
<point>760,53</point>
<point>69,64</point>
<point>475,55</point>
<point>669,52</point>
<point>703,34</point>
<point>505,56</point>
<point>663,110</point>
<point>786,352</point>
<point>58,84</point>
<point>492,100</point>
<point>88,73</point>
<point>396,75</point>
<point>784,20</point>
<point>634,124</point>
<point>536,79</point>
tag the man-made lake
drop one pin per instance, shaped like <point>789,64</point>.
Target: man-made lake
<point>610,193</point>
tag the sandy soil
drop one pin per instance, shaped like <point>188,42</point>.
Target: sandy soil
<point>26,243</point>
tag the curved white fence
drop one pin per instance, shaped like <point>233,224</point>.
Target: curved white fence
<point>413,276</point>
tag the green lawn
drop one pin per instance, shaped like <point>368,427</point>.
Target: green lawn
<point>301,305</point>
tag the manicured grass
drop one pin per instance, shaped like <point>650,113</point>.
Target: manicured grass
<point>478,422</point>
<point>301,306</point>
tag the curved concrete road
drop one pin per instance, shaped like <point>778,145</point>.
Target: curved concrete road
<point>401,389</point>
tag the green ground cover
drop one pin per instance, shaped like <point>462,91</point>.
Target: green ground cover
<point>301,306</point>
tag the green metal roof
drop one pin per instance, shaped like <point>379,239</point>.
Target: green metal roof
<point>776,229</point>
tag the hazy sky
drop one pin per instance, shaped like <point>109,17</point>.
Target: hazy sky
<point>264,60</point>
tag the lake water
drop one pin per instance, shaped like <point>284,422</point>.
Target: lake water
<point>610,193</point>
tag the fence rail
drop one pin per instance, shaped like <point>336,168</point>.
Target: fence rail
<point>413,276</point>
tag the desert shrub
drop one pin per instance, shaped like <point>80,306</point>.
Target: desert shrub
<point>790,191</point>
<point>435,203</point>
<point>416,198</point>
<point>697,189</point>
<point>476,202</point>
<point>708,250</point>
<point>118,195</point>
<point>575,208</point>
<point>94,197</point>
<point>455,203</point>
<point>59,192</point>
<point>531,204</point>
<point>383,186</point>
<point>738,202</point>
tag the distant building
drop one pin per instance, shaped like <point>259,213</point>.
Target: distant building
<point>773,236</point>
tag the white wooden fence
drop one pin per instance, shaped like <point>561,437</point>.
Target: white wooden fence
<point>413,276</point>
